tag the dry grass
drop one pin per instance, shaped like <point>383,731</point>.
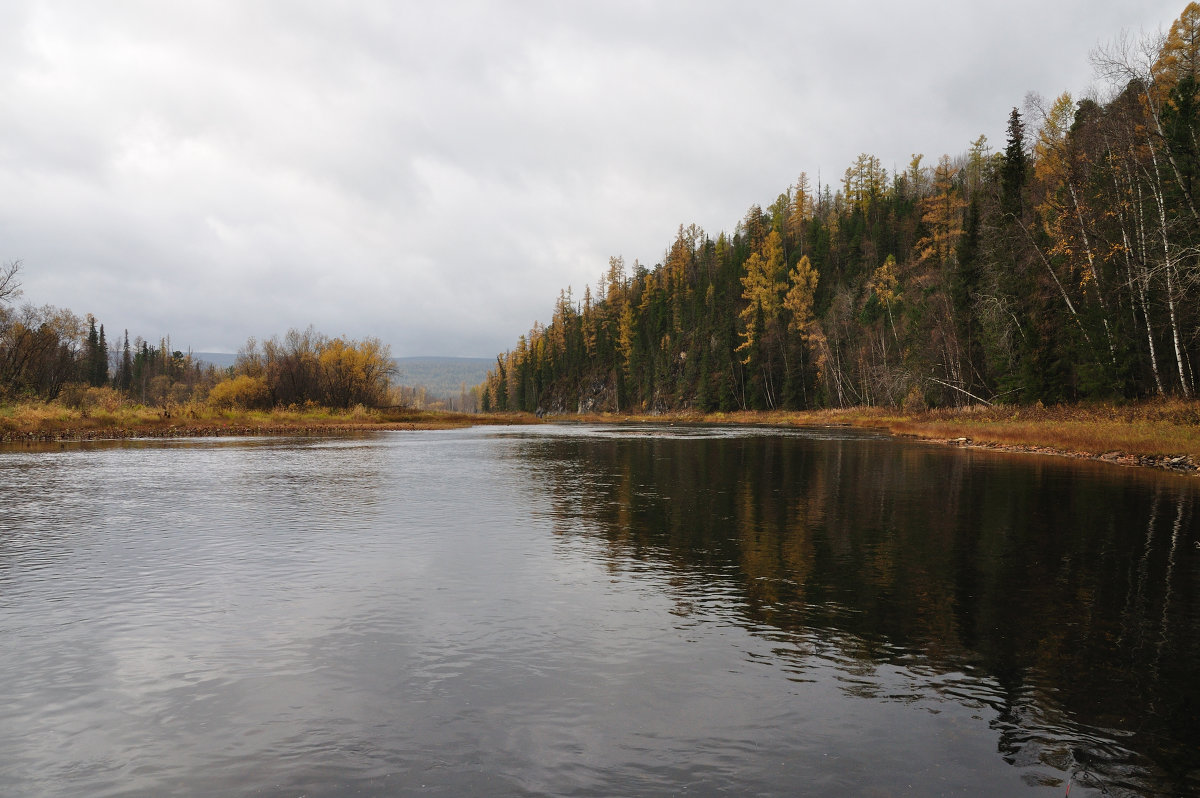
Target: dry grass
<point>39,421</point>
<point>1146,432</point>
<point>1156,429</point>
<point>1152,429</point>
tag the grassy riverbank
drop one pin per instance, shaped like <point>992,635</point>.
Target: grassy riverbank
<point>53,422</point>
<point>1163,433</point>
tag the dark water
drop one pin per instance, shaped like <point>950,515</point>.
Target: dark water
<point>594,611</point>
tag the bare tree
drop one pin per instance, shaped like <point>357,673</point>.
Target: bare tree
<point>10,289</point>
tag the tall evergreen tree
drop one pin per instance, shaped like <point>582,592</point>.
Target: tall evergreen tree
<point>125,370</point>
<point>1012,176</point>
<point>101,375</point>
<point>95,360</point>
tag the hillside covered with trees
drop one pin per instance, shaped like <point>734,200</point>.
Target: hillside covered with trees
<point>1063,266</point>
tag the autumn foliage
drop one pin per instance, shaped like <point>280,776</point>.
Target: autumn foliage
<point>1063,267</point>
<point>306,367</point>
<point>50,354</point>
<point>240,392</point>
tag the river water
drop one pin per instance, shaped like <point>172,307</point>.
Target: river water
<point>593,611</point>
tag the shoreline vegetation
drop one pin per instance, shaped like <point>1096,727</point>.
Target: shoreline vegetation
<point>42,422</point>
<point>1162,434</point>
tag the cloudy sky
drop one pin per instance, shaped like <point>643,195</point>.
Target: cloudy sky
<point>432,173</point>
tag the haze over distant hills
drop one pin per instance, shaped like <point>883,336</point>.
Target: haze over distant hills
<point>221,360</point>
<point>440,376</point>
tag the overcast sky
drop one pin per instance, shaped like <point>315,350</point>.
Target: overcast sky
<point>432,173</point>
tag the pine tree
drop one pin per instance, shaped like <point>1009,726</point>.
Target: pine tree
<point>1012,176</point>
<point>95,361</point>
<point>101,375</point>
<point>125,370</point>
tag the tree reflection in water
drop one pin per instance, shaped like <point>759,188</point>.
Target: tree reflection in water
<point>1063,595</point>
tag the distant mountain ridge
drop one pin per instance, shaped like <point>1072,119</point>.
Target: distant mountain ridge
<point>440,376</point>
<point>221,360</point>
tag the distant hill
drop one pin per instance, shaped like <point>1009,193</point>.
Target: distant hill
<point>440,376</point>
<point>221,360</point>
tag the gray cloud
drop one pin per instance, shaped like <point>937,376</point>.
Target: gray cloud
<point>433,174</point>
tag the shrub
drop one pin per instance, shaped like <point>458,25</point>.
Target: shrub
<point>73,395</point>
<point>240,392</point>
<point>110,400</point>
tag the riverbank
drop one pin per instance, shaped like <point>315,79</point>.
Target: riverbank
<point>1161,434</point>
<point>1158,434</point>
<point>41,423</point>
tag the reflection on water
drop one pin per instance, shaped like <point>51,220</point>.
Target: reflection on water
<point>593,611</point>
<point>1066,592</point>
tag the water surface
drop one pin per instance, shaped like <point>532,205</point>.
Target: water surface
<point>579,610</point>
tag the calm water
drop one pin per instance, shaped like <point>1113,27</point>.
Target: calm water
<point>594,611</point>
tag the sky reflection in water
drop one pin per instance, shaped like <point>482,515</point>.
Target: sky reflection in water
<point>589,611</point>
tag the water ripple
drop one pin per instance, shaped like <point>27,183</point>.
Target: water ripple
<point>569,610</point>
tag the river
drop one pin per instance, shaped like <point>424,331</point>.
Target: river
<point>591,611</point>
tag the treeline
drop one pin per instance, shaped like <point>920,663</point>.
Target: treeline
<point>308,368</point>
<point>49,354</point>
<point>1064,267</point>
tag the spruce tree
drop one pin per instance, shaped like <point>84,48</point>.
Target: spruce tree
<point>125,371</point>
<point>1012,176</point>
<point>95,359</point>
<point>101,367</point>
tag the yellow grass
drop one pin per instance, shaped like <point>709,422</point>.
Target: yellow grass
<point>1160,429</point>
<point>1152,429</point>
<point>1147,432</point>
<point>40,421</point>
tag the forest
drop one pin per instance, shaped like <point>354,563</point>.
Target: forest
<point>1061,267</point>
<point>51,354</point>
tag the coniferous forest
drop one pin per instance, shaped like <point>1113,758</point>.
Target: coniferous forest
<point>1061,265</point>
